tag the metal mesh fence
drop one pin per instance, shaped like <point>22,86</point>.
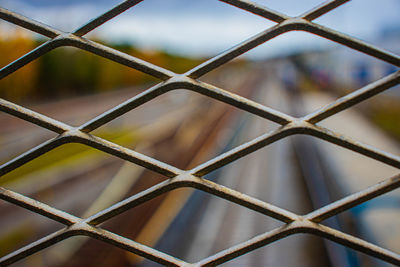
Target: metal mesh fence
<point>308,125</point>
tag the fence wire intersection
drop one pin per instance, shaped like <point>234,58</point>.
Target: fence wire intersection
<point>308,125</point>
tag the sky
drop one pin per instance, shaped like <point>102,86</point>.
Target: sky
<point>206,27</point>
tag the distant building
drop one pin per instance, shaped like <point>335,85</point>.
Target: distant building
<point>359,69</point>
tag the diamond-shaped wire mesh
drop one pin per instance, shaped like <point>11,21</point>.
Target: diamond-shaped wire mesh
<point>308,125</point>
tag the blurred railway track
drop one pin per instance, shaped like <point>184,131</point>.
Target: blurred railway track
<point>295,173</point>
<point>298,174</point>
<point>186,127</point>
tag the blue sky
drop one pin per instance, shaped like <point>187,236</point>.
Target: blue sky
<point>209,26</point>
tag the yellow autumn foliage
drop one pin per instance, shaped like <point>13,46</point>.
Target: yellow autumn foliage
<point>21,83</point>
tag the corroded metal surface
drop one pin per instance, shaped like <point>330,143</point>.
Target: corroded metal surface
<point>193,178</point>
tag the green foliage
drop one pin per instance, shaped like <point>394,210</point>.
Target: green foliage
<point>70,71</point>
<point>67,71</point>
<point>71,154</point>
<point>387,116</point>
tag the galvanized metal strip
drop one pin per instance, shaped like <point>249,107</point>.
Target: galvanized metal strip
<point>37,207</point>
<point>96,22</point>
<point>355,199</point>
<point>28,23</point>
<point>354,98</point>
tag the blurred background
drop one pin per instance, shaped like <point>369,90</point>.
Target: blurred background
<point>295,73</point>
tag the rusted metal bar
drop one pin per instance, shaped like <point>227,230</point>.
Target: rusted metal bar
<point>252,244</point>
<point>125,153</point>
<point>239,49</point>
<point>304,24</point>
<point>355,243</point>
<point>355,199</point>
<point>28,23</point>
<point>193,178</point>
<point>322,9</point>
<point>36,246</point>
<point>119,57</point>
<point>354,98</point>
<point>132,246</point>
<point>258,9</point>
<point>132,201</point>
<point>243,150</point>
<point>239,102</point>
<point>32,154</point>
<point>33,117</point>
<point>115,11</point>
<point>244,200</point>
<point>354,145</point>
<point>37,207</point>
<point>29,57</point>
<point>350,42</point>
